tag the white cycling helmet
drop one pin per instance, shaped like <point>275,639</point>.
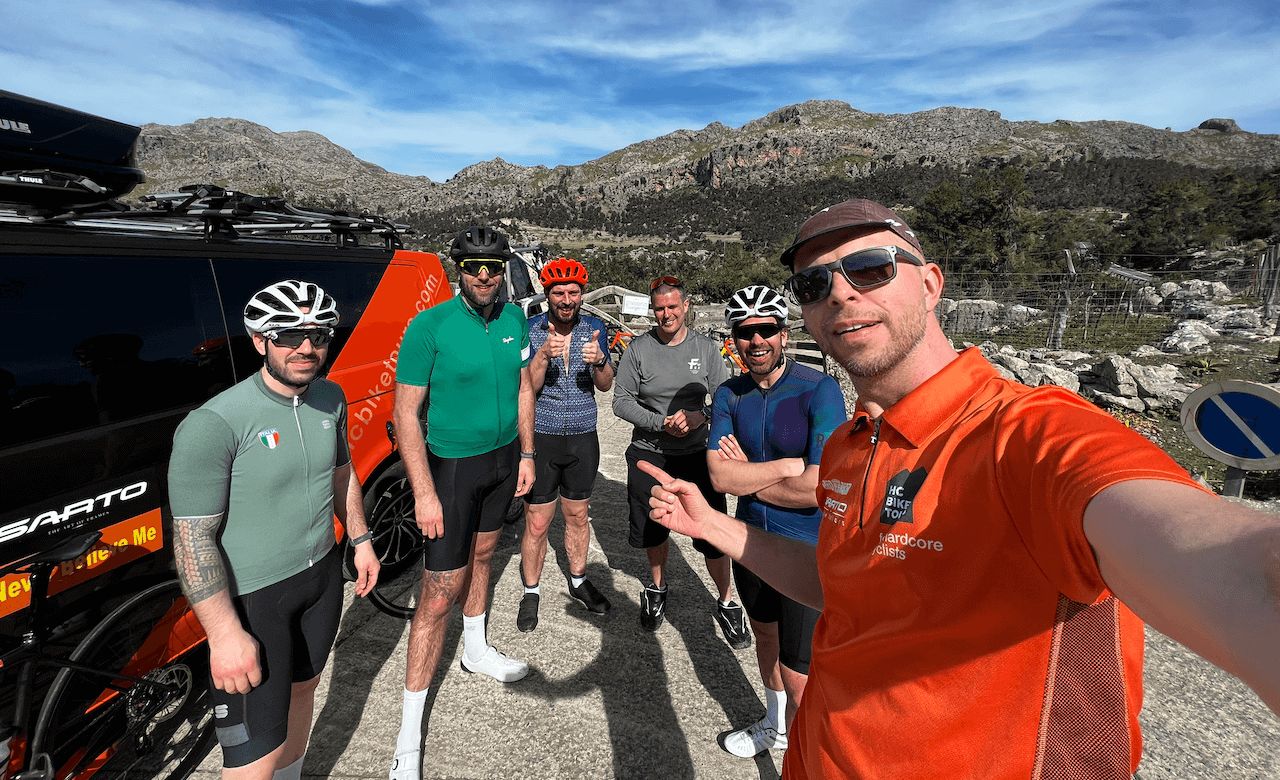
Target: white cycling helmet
<point>755,301</point>
<point>280,305</point>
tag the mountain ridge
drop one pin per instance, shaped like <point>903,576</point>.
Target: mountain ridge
<point>815,140</point>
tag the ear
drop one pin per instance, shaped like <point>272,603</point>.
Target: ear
<point>260,344</point>
<point>933,283</point>
<point>784,336</point>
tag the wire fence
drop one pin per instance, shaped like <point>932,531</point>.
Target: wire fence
<point>1116,309</point>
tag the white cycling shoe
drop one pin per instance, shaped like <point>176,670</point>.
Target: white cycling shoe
<point>755,739</point>
<point>406,766</point>
<point>496,665</point>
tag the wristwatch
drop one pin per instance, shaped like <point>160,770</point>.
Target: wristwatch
<point>604,361</point>
<point>529,455</point>
<point>362,538</point>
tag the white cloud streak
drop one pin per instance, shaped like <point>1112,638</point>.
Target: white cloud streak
<point>555,75</point>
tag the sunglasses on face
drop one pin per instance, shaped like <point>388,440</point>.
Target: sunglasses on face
<point>670,281</point>
<point>474,267</point>
<point>863,269</point>
<point>765,330</point>
<point>293,337</point>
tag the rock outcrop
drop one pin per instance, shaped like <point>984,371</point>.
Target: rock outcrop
<point>812,140</point>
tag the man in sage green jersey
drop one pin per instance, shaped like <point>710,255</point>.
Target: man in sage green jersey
<point>467,359</point>
<point>256,477</point>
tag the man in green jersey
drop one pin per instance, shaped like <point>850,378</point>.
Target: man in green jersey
<point>468,359</point>
<point>256,477</point>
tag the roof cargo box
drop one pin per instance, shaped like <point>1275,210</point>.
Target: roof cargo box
<point>54,158</point>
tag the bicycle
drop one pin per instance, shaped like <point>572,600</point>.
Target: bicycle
<point>130,699</point>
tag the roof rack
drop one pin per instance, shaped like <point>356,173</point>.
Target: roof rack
<point>221,214</point>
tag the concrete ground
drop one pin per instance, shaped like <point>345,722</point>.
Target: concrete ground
<point>605,699</point>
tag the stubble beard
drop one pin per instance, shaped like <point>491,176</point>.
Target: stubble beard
<point>475,299</point>
<point>908,330</point>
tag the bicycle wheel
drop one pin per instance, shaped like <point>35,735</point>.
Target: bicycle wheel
<point>389,511</point>
<point>92,725</point>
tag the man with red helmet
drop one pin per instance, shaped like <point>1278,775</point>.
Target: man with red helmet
<point>570,362</point>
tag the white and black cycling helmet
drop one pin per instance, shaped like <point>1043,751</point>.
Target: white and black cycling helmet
<point>280,305</point>
<point>755,301</point>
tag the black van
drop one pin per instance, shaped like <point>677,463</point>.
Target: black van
<point>118,321</point>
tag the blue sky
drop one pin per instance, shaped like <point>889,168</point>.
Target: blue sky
<point>427,87</point>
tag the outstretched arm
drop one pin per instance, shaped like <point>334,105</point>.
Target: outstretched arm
<point>789,565</point>
<point>1202,570</point>
<point>233,653</point>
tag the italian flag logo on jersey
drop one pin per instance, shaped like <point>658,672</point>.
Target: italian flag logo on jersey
<point>270,438</point>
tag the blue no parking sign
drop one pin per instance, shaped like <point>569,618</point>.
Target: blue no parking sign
<point>1236,423</point>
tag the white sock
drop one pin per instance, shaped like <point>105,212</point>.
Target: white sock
<point>410,738</point>
<point>291,772</point>
<point>726,604</point>
<point>775,704</point>
<point>534,588</point>
<point>576,580</point>
<point>473,637</point>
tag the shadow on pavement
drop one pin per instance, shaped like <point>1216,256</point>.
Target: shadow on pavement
<point>630,670</point>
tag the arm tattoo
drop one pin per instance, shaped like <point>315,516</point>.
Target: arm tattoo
<point>200,567</point>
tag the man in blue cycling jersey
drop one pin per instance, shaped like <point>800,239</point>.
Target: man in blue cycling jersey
<point>768,427</point>
<point>570,363</point>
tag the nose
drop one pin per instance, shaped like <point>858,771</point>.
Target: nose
<point>841,290</point>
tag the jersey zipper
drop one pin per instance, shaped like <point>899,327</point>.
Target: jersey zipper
<point>306,475</point>
<point>866,478</point>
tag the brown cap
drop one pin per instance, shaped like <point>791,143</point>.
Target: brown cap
<point>850,214</point>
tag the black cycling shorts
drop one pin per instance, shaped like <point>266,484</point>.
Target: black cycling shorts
<point>646,533</point>
<point>566,467</point>
<point>475,493</point>
<point>795,620</point>
<point>295,622</point>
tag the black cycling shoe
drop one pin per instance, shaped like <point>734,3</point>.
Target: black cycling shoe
<point>527,617</point>
<point>733,622</point>
<point>590,597</point>
<point>653,607</point>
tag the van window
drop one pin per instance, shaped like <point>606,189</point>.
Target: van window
<point>351,284</point>
<point>93,341</point>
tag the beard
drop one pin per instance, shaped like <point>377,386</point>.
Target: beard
<point>907,329</point>
<point>292,377</point>
<point>568,316</point>
<point>479,299</point>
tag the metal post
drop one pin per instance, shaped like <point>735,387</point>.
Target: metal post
<point>1233,486</point>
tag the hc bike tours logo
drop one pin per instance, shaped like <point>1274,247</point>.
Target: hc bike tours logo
<point>270,438</point>
<point>900,496</point>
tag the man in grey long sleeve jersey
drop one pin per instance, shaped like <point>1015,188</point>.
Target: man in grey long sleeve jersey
<point>664,381</point>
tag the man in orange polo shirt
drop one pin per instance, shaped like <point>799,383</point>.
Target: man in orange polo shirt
<point>983,544</point>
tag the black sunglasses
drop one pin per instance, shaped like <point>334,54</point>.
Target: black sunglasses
<point>474,267</point>
<point>863,269</point>
<point>765,330</point>
<point>293,337</point>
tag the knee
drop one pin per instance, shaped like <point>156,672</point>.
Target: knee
<point>306,688</point>
<point>536,526</point>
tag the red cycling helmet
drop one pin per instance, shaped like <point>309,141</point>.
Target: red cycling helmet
<point>561,270</point>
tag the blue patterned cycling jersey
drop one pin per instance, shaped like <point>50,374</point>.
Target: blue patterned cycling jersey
<point>792,419</point>
<point>567,402</point>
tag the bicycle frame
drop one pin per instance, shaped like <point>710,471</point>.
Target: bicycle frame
<point>173,635</point>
